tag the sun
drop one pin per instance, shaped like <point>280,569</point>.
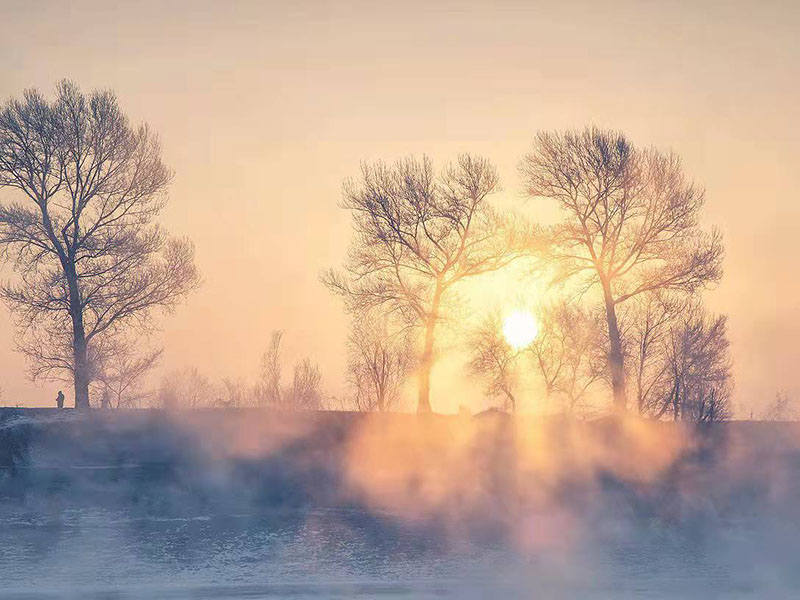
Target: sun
<point>520,329</point>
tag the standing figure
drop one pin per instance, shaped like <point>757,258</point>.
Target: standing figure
<point>60,399</point>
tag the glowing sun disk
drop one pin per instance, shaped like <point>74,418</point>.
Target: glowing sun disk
<point>520,329</point>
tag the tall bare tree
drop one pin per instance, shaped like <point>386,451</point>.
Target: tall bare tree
<point>378,362</point>
<point>631,226</point>
<point>81,228</point>
<point>417,234</point>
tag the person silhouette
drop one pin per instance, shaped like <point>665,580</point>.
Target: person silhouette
<point>60,399</point>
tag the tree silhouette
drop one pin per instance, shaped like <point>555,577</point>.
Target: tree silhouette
<point>568,352</point>
<point>268,389</point>
<point>418,234</point>
<point>186,388</point>
<point>494,360</point>
<point>646,326</point>
<point>782,408</point>
<point>304,392</point>
<point>80,229</point>
<point>678,358</point>
<point>631,225</point>
<point>121,375</point>
<point>378,362</point>
<point>699,363</point>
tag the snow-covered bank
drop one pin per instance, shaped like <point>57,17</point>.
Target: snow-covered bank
<point>481,469</point>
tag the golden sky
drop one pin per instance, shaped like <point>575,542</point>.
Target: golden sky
<point>264,107</point>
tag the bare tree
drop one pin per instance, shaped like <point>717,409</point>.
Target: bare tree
<point>495,360</point>
<point>678,357</point>
<point>631,224</point>
<point>305,393</point>
<point>186,388</point>
<point>568,352</point>
<point>268,389</point>
<point>234,393</point>
<point>378,362</point>
<point>698,358</point>
<point>646,327</point>
<point>783,408</point>
<point>416,236</point>
<point>80,230</point>
<point>121,377</point>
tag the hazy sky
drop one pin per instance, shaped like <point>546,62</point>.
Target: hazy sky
<point>263,108</point>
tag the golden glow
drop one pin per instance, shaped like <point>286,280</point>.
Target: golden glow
<point>270,149</point>
<point>520,329</point>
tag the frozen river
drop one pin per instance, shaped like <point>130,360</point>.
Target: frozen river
<point>349,554</point>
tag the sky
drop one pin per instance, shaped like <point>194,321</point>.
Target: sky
<point>263,108</point>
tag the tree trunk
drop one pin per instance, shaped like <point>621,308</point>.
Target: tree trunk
<point>79,347</point>
<point>81,362</point>
<point>381,400</point>
<point>426,363</point>
<point>615,362</point>
<point>512,402</point>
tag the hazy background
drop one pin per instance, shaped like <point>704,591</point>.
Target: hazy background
<point>263,108</point>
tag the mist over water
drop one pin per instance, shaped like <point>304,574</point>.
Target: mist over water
<point>250,504</point>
